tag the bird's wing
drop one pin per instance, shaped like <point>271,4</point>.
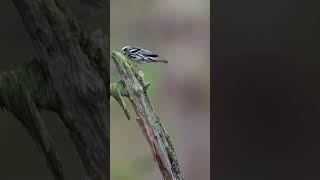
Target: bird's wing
<point>144,52</point>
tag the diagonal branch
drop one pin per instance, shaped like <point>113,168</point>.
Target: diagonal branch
<point>70,76</point>
<point>15,97</point>
<point>157,137</point>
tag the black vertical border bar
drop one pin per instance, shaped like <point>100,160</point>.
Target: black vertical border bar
<point>108,89</point>
<point>212,10</point>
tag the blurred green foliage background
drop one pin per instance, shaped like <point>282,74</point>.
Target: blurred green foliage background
<point>180,90</point>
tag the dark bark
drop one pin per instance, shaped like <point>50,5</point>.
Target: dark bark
<point>83,8</point>
<point>70,76</point>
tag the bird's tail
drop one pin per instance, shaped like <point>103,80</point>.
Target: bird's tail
<point>161,61</point>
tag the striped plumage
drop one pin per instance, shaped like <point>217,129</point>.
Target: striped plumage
<point>141,56</point>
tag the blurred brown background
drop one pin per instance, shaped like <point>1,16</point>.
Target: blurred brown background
<point>178,31</point>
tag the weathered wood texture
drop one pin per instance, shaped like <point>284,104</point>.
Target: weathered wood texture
<point>133,86</point>
<point>70,76</point>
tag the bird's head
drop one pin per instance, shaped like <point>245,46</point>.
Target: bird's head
<point>125,50</point>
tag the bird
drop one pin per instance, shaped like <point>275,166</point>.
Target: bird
<point>140,55</point>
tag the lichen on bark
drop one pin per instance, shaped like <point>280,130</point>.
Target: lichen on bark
<point>133,86</point>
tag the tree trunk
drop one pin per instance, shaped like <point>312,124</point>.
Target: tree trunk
<point>70,76</point>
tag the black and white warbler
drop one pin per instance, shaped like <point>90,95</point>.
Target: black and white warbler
<point>141,56</point>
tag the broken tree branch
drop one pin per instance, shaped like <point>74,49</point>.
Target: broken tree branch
<point>133,86</point>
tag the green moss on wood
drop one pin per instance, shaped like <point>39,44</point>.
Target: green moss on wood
<point>157,136</point>
<point>23,77</point>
